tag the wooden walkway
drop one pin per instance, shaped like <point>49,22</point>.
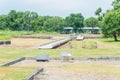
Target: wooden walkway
<point>54,44</point>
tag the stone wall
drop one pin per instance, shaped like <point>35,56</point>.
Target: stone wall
<point>32,75</point>
<point>5,42</point>
<point>13,62</point>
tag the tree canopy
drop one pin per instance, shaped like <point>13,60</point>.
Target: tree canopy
<point>75,20</point>
<point>91,22</point>
<point>98,11</point>
<point>112,24</point>
<point>116,4</point>
<point>111,21</point>
<point>31,21</point>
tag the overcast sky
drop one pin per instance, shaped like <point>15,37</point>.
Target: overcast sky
<point>55,7</point>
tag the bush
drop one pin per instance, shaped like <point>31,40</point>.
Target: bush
<point>89,44</point>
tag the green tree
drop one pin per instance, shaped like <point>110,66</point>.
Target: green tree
<point>91,22</point>
<point>37,24</point>
<point>75,20</point>
<point>116,4</point>
<point>3,22</point>
<point>19,21</point>
<point>54,24</point>
<point>98,11</point>
<point>12,15</point>
<point>112,24</point>
<point>29,17</point>
<point>111,21</point>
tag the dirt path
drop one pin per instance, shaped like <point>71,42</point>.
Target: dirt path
<point>57,74</point>
<point>77,70</point>
<point>61,74</point>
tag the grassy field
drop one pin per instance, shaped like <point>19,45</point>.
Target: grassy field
<point>6,35</point>
<point>106,48</point>
<point>96,68</point>
<point>15,73</point>
<point>7,54</point>
<point>110,41</point>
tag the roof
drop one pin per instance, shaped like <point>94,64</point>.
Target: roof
<point>90,28</point>
<point>68,27</point>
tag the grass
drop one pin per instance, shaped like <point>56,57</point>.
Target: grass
<point>7,54</point>
<point>6,35</point>
<point>13,53</point>
<point>110,41</point>
<point>15,73</point>
<point>93,68</point>
<point>19,73</point>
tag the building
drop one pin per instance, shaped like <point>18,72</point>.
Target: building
<point>67,30</point>
<point>91,30</point>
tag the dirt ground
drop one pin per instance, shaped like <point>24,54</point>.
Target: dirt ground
<point>29,42</point>
<point>26,42</point>
<point>59,70</point>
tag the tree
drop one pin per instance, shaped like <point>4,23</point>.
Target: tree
<point>54,24</point>
<point>37,24</point>
<point>75,20</point>
<point>3,22</point>
<point>112,24</point>
<point>116,4</point>
<point>12,15</point>
<point>91,22</point>
<point>29,17</point>
<point>98,11</point>
<point>111,21</point>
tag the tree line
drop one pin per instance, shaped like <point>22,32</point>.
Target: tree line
<point>31,21</point>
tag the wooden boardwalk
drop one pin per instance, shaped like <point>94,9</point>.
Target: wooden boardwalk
<point>54,44</point>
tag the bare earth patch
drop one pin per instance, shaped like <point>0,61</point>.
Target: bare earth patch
<point>75,70</point>
<point>26,42</point>
<point>3,60</point>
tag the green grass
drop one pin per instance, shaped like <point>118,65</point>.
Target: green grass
<point>15,73</point>
<point>77,51</point>
<point>93,68</point>
<point>13,53</point>
<point>110,41</point>
<point>6,35</point>
<point>7,54</point>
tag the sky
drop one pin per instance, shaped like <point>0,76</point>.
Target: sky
<point>56,7</point>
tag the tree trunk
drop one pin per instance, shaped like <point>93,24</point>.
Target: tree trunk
<point>92,30</point>
<point>75,30</point>
<point>115,37</point>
